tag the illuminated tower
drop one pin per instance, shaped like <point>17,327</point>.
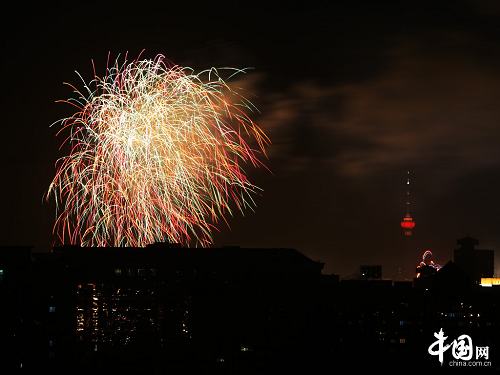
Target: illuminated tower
<point>408,224</point>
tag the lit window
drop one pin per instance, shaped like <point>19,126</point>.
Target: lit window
<point>402,340</point>
<point>52,309</point>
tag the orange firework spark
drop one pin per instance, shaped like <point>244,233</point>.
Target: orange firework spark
<point>156,154</point>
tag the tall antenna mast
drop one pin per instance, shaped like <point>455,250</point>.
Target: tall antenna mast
<point>408,192</point>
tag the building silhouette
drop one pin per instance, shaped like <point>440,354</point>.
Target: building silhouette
<point>166,309</point>
<point>476,263</point>
<point>163,306</point>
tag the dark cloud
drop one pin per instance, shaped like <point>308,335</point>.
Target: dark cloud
<point>436,109</point>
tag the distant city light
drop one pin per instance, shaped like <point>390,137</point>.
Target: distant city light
<point>490,281</point>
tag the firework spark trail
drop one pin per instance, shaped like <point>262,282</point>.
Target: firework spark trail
<point>156,153</point>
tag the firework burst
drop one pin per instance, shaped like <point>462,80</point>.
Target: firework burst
<point>156,154</point>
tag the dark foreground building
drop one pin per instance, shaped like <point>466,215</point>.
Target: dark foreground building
<point>477,263</point>
<point>170,310</point>
<point>163,307</point>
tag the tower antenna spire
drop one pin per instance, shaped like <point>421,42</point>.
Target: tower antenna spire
<point>408,193</point>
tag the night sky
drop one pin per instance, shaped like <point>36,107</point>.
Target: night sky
<point>352,95</point>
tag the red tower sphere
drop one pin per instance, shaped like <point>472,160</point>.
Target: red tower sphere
<point>407,224</point>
